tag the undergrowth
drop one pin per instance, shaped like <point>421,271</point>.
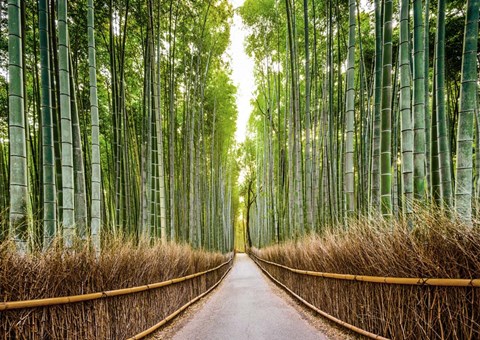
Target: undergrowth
<point>429,245</point>
<point>57,273</point>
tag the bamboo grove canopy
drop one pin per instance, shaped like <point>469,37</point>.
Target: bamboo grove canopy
<point>116,118</point>
<point>362,108</point>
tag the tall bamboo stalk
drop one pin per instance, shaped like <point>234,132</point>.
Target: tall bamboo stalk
<point>407,136</point>
<point>445,158</point>
<point>96,176</point>
<point>468,105</point>
<point>48,152</point>
<point>386,116</point>
<point>419,99</point>
<point>68,204</point>
<point>19,187</point>
<point>308,159</point>
<point>376,121</point>
<point>350,116</point>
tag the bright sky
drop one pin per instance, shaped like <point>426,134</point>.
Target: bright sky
<point>242,69</point>
<point>242,72</point>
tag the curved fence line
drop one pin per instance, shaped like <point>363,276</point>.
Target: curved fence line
<point>319,311</point>
<point>178,311</point>
<point>380,279</point>
<point>100,295</point>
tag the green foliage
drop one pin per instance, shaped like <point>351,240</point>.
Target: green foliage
<point>193,83</point>
<point>280,140</point>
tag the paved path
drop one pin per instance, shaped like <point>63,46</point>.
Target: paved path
<point>245,307</point>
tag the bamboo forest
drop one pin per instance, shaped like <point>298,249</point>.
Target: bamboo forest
<point>315,160</point>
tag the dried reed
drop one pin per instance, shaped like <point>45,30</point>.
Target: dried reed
<point>436,247</point>
<point>122,265</point>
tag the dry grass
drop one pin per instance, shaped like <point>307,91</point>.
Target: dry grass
<point>437,247</point>
<point>59,273</point>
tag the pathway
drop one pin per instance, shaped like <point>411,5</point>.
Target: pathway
<point>245,307</point>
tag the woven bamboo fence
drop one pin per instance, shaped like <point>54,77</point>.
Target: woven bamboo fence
<point>115,314</point>
<point>386,307</point>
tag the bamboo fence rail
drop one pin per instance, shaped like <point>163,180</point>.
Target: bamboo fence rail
<point>178,311</point>
<point>383,280</point>
<point>400,281</point>
<point>9,305</point>
<point>324,314</point>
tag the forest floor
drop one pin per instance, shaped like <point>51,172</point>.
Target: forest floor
<point>247,305</point>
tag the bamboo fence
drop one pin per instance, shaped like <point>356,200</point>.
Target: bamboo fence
<point>33,319</point>
<point>395,311</point>
<point>178,311</point>
<point>381,279</point>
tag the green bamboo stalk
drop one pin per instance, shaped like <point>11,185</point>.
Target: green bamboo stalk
<point>19,186</point>
<point>159,125</point>
<point>468,105</point>
<point>407,135</point>
<point>419,99</point>
<point>350,116</point>
<point>48,152</point>
<point>147,150</point>
<point>375,161</point>
<point>331,159</point>
<point>386,116</point>
<point>96,176</point>
<point>78,162</point>
<point>396,180</point>
<point>149,231</point>
<point>427,101</point>
<point>172,128</point>
<point>435,159</point>
<point>68,205</point>
<point>445,158</point>
<point>4,224</point>
<point>308,159</point>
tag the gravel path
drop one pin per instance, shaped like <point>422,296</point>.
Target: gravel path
<point>245,307</point>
